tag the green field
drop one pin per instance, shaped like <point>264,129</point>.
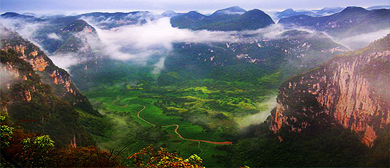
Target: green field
<point>203,111</point>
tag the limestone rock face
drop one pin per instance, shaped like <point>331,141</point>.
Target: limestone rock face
<point>350,90</point>
<point>58,78</point>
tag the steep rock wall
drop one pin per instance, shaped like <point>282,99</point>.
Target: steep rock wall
<point>58,78</point>
<point>350,90</point>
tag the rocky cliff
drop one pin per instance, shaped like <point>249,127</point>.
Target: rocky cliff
<point>58,78</point>
<point>37,95</point>
<point>351,90</point>
<point>32,105</point>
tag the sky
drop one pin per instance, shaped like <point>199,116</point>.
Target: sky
<point>205,6</point>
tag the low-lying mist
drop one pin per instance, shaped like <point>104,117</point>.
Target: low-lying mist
<point>139,42</point>
<point>362,40</point>
<point>5,76</point>
<point>259,117</point>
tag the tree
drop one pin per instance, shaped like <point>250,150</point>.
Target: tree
<point>150,158</point>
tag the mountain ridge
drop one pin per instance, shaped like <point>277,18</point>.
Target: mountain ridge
<point>250,20</point>
<point>349,22</point>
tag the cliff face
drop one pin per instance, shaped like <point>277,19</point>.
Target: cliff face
<point>39,96</point>
<point>351,90</point>
<point>58,78</point>
<point>32,105</point>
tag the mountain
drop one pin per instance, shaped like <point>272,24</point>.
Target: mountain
<point>111,20</point>
<point>349,22</point>
<point>328,11</point>
<point>378,7</point>
<point>350,90</point>
<point>169,13</point>
<point>290,12</point>
<point>39,95</point>
<point>250,58</point>
<point>234,10</point>
<point>13,15</point>
<point>314,13</point>
<point>58,34</point>
<point>229,19</point>
<point>72,35</point>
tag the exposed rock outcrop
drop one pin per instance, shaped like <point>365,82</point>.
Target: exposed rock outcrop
<point>351,90</point>
<point>50,73</point>
<point>33,98</point>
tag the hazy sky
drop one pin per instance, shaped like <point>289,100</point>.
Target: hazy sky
<point>67,6</point>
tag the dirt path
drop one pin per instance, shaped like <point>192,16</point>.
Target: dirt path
<point>178,134</point>
<point>139,112</point>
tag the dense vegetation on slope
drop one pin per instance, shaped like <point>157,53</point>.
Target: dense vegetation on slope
<point>249,61</point>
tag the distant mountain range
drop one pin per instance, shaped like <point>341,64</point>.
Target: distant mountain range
<point>67,34</point>
<point>231,19</point>
<point>379,7</point>
<point>315,13</point>
<point>349,22</point>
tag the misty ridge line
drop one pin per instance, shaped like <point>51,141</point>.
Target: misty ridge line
<point>137,43</point>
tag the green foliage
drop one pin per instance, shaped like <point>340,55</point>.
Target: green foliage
<point>36,150</point>
<point>5,135</point>
<point>150,158</point>
<point>41,142</point>
<point>270,80</point>
<point>6,131</point>
<point>194,159</point>
<point>33,150</point>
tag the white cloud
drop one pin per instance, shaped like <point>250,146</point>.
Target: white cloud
<point>259,117</point>
<point>6,76</point>
<point>65,61</point>
<point>139,42</point>
<point>26,30</point>
<point>54,36</point>
<point>362,40</point>
<point>159,66</point>
<point>23,28</point>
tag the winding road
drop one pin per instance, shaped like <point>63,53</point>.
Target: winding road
<point>178,134</point>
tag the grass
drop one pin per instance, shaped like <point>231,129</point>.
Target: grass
<point>205,112</point>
